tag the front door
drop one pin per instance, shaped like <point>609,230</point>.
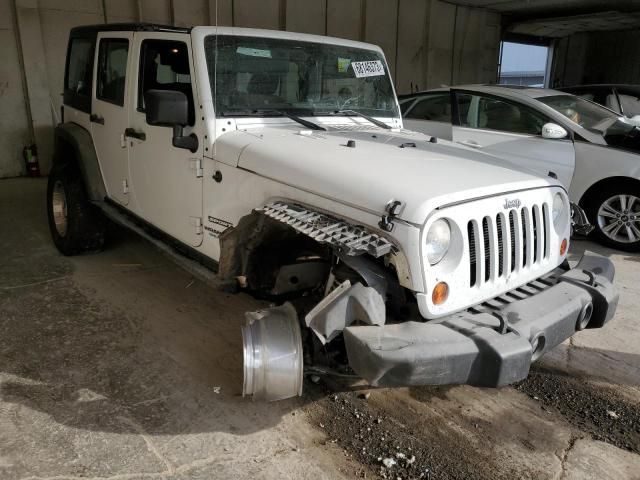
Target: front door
<point>166,181</point>
<point>512,131</point>
<point>109,111</point>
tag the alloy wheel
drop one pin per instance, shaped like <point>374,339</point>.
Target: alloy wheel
<point>619,218</point>
<point>59,207</point>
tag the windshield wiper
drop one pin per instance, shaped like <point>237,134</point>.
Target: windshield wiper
<point>272,113</point>
<point>354,113</point>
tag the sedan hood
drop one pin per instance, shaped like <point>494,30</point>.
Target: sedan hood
<point>367,169</point>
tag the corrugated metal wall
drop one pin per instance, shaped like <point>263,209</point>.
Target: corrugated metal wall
<point>427,43</point>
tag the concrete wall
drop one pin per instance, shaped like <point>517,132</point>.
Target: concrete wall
<point>14,122</point>
<point>427,43</point>
<point>597,57</point>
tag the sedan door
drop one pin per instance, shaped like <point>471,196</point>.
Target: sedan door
<point>513,131</point>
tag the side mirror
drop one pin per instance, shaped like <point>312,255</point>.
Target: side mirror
<point>553,131</point>
<point>168,108</point>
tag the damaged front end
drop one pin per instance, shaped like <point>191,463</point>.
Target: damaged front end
<point>356,288</point>
<point>376,331</point>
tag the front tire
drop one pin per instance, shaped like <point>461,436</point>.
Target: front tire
<point>615,214</point>
<point>75,224</point>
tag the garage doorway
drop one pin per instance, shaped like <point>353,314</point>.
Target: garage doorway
<point>524,64</point>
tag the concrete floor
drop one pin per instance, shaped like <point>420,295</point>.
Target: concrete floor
<point>121,365</point>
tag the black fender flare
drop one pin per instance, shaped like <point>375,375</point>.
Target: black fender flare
<point>74,147</point>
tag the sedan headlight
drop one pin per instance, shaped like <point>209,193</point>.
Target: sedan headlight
<point>558,211</point>
<point>438,241</point>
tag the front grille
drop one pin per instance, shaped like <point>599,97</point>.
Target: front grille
<point>502,244</point>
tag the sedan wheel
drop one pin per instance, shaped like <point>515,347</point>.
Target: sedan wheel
<point>619,218</point>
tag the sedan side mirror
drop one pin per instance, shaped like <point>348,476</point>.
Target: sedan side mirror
<point>553,131</point>
<point>168,108</point>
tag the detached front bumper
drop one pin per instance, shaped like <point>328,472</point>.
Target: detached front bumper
<point>491,348</point>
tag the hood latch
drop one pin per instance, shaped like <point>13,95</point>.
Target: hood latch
<point>393,209</point>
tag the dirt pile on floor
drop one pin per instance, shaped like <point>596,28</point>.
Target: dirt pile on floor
<point>595,410</point>
<point>391,448</point>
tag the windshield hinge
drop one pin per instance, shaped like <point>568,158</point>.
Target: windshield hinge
<point>196,166</point>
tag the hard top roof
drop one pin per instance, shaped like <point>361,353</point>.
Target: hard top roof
<point>127,27</point>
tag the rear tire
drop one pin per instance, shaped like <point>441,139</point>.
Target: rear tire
<point>615,214</point>
<point>75,224</point>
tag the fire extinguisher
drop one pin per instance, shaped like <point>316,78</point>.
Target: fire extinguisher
<point>30,154</point>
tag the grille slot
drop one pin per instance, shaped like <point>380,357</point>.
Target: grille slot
<point>525,237</point>
<point>471,232</point>
<point>501,250</point>
<point>507,242</point>
<point>545,226</point>
<point>487,249</point>
<point>536,236</point>
<point>512,229</point>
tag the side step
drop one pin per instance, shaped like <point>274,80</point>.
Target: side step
<point>185,256</point>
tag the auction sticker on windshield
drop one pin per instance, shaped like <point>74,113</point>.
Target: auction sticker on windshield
<point>254,52</point>
<point>371,68</point>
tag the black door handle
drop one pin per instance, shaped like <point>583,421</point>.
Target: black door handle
<point>131,132</point>
<point>95,118</point>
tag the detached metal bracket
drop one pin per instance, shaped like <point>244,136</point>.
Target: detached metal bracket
<point>579,222</point>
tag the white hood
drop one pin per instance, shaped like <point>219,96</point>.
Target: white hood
<point>377,169</point>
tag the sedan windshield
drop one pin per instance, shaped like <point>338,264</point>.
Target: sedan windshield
<point>585,113</point>
<point>269,77</point>
<point>617,131</point>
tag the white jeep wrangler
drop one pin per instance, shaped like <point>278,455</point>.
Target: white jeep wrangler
<point>279,161</point>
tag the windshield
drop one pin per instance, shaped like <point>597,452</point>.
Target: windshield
<point>261,76</point>
<point>584,113</point>
<point>617,131</point>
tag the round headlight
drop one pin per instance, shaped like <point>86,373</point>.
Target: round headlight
<point>558,209</point>
<point>438,240</point>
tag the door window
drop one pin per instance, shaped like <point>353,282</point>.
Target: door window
<point>112,70</point>
<point>80,66</point>
<point>164,65</point>
<point>435,108</point>
<point>491,113</point>
<point>79,74</point>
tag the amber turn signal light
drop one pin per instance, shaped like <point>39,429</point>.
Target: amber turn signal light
<point>563,247</point>
<point>440,293</point>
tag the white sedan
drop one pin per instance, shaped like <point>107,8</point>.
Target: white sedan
<point>594,152</point>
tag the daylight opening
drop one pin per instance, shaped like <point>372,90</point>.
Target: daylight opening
<point>523,64</point>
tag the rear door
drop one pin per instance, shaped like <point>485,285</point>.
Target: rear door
<point>513,131</point>
<point>166,180</point>
<point>109,111</point>
<point>430,114</point>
